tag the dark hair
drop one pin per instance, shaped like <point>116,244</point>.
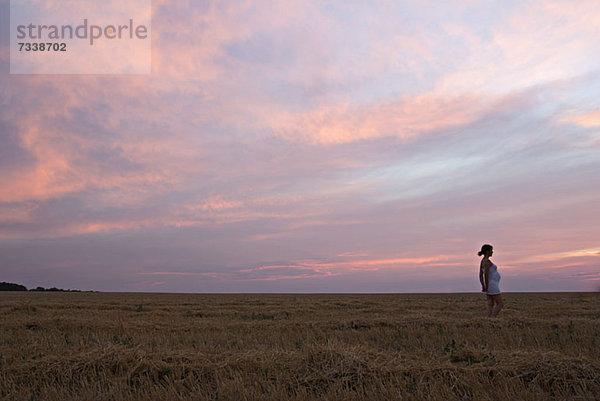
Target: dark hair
<point>484,249</point>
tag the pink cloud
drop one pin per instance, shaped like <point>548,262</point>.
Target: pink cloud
<point>303,269</point>
<point>404,118</point>
<point>588,119</point>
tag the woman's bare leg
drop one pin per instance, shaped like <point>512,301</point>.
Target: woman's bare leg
<point>499,305</point>
<point>490,305</point>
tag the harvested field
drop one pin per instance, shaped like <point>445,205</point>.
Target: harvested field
<point>132,346</point>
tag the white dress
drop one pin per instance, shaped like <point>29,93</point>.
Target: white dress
<point>493,281</point>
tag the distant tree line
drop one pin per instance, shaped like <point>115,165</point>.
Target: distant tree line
<point>4,286</point>
<point>12,287</point>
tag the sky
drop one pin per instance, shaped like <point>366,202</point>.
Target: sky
<point>313,146</point>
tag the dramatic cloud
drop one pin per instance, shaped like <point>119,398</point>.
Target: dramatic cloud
<point>308,146</point>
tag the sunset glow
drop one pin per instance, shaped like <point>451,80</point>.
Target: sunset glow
<point>309,146</point>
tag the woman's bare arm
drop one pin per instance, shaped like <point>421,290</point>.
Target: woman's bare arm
<point>481,277</point>
<point>486,274</point>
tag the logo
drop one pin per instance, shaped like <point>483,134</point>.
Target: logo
<point>80,37</point>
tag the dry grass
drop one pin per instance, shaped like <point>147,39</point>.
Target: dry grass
<point>88,346</point>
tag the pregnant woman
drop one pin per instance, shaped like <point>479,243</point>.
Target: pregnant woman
<point>490,281</point>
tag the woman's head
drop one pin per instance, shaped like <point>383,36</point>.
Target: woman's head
<point>486,249</point>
